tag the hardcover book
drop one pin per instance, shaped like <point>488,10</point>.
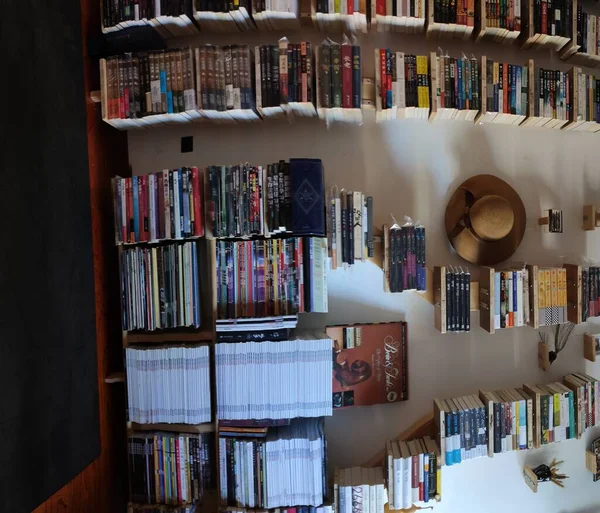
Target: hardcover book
<point>375,369</point>
<point>308,197</point>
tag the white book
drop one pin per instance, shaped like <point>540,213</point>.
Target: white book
<point>366,493</point>
<point>520,298</point>
<point>390,472</point>
<point>398,470</point>
<point>176,204</point>
<point>401,95</point>
<point>525,297</point>
<point>357,221</point>
<point>421,470</point>
<point>338,231</point>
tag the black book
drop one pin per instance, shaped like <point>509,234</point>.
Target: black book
<point>393,259</point>
<point>449,296</point>
<point>357,76</point>
<point>467,300</point>
<point>275,92</point>
<point>344,225</point>
<point>370,239</point>
<point>336,74</point>
<point>498,422</point>
<point>349,226</point>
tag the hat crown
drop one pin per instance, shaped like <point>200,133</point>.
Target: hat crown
<point>492,217</point>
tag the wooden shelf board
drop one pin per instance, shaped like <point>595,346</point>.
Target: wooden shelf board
<point>115,377</point>
<point>427,295</point>
<point>208,427</point>
<point>163,337</point>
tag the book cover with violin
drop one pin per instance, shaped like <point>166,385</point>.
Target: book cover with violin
<point>370,363</point>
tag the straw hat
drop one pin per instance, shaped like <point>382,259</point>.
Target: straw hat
<point>485,220</point>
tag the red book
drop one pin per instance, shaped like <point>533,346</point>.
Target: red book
<point>382,67</point>
<point>300,260</point>
<point>370,363</point>
<point>380,7</point>
<point>350,6</point>
<point>347,76</point>
<point>160,206</point>
<point>197,199</point>
<point>421,483</point>
<point>250,278</point>
<point>544,18</point>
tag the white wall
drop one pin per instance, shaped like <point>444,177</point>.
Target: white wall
<point>411,168</point>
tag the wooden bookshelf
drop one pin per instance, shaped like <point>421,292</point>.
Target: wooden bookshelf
<point>438,298</point>
<point>337,22</point>
<point>445,30</point>
<point>115,377</point>
<point>578,119</point>
<point>574,293</point>
<point>209,427</point>
<point>529,39</point>
<point>483,30</point>
<point>390,23</point>
<point>542,121</point>
<point>570,52</point>
<point>486,116</point>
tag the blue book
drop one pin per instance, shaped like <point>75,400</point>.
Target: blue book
<point>515,295</point>
<point>449,444</point>
<point>388,70</point>
<point>426,479</point>
<point>136,217</point>
<point>497,300</point>
<point>523,424</point>
<point>187,222</point>
<point>456,434</point>
<point>356,78</point>
<point>181,203</point>
<point>163,87</point>
<point>308,198</point>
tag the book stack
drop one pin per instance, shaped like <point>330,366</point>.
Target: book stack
<point>455,88</point>
<point>588,32</point>
<point>506,92</point>
<point>280,198</point>
<point>590,286</point>
<point>404,264</point>
<point>325,508</point>
<point>511,298</point>
<point>274,380</point>
<point>154,508</point>
<point>341,15</point>
<point>552,296</point>
<point>552,24</point>
<point>168,385</point>
<point>512,413</point>
<point>339,81</point>
<point>398,15</point>
<point>502,18</point>
<point>458,300</point>
<point>414,472</point>
<point>586,391</point>
<point>462,424</point>
<point>461,12</point>
<point>280,15</point>
<point>172,19</point>
<point>256,467</point>
<point>402,85</point>
<point>555,419</point>
<point>362,354</point>
<point>223,16</point>
<point>284,79</point>
<point>552,99</point>
<point>271,277</point>
<point>350,235</point>
<point>364,486</point>
<point>160,287</point>
<point>555,220</point>
<point>143,211</point>
<point>170,468</point>
<point>586,102</point>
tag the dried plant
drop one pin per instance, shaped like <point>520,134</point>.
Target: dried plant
<point>561,337</point>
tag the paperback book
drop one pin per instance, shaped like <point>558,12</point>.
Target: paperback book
<point>357,484</point>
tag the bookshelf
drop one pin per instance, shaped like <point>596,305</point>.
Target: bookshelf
<point>440,300</point>
<point>530,39</point>
<point>448,30</point>
<point>486,31</point>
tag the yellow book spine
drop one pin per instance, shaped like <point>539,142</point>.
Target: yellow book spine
<point>563,287</point>
<point>554,287</point>
<point>439,481</point>
<point>541,287</point>
<point>556,410</point>
<point>547,287</point>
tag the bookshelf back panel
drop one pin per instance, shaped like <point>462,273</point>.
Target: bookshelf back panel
<point>412,168</point>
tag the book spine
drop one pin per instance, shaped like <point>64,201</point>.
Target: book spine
<point>346,56</point>
<point>356,78</point>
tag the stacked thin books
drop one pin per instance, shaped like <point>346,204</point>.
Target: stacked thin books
<point>284,79</point>
<point>255,328</point>
<point>587,400</point>
<point>170,468</point>
<point>220,15</point>
<point>402,85</point>
<point>511,298</point>
<point>350,15</point>
<point>414,472</point>
<point>357,485</point>
<point>552,99</point>
<point>511,413</point>
<point>256,467</point>
<point>350,234</point>
<point>153,508</point>
<point>458,300</point>
<point>587,93</point>
<point>170,19</point>
<point>160,206</point>
<point>326,508</point>
<point>506,92</point>
<point>160,287</point>
<point>462,425</point>
<point>590,285</point>
<point>503,15</point>
<point>273,277</point>
<point>588,31</point>
<point>555,413</point>
<point>404,263</point>
<point>274,380</point>
<point>553,19</point>
<point>461,12</point>
<point>280,15</point>
<point>168,385</point>
<point>339,80</point>
<point>555,220</point>
<point>457,87</point>
<point>399,15</point>
<point>552,296</point>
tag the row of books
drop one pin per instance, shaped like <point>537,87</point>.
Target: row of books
<point>271,277</point>
<point>500,14</point>
<point>285,466</point>
<point>587,400</point>
<point>325,508</point>
<point>553,97</point>
<point>170,468</point>
<point>350,227</point>
<point>339,74</point>
<point>588,97</point>
<point>403,81</point>
<point>553,17</point>
<point>168,385</point>
<point>404,264</point>
<point>160,287</point>
<point>587,31</point>
<point>414,472</point>
<point>511,299</point>
<point>458,85</point>
<point>460,12</point>
<point>284,197</point>
<point>401,8</point>
<point>355,487</point>
<point>506,88</point>
<point>169,17</point>
<point>458,299</point>
<point>463,428</point>
<point>590,284</point>
<point>161,508</point>
<point>552,296</point>
<point>274,380</point>
<point>158,206</point>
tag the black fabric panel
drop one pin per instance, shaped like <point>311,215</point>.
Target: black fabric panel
<point>48,372</point>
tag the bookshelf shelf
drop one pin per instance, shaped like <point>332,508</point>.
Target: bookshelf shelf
<point>168,337</point>
<point>209,427</point>
<point>483,30</point>
<point>115,377</point>
<point>532,40</point>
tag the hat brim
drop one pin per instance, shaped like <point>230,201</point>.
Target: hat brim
<point>466,244</point>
